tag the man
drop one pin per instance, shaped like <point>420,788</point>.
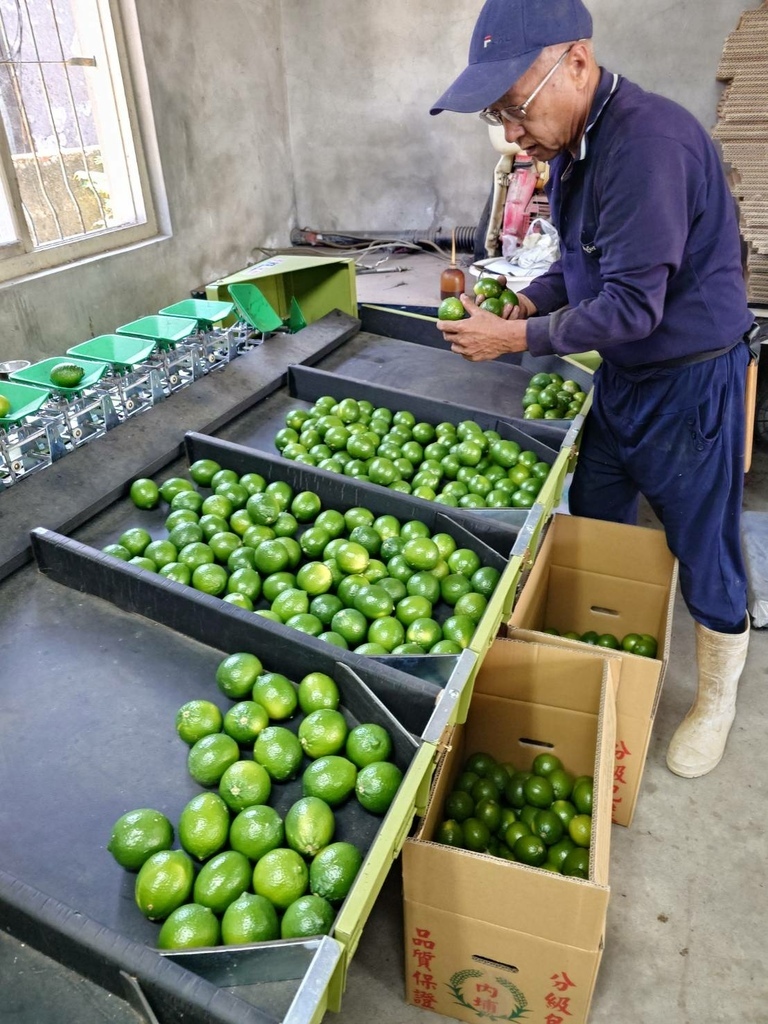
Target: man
<point>650,276</point>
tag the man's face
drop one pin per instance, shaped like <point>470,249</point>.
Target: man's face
<point>552,119</point>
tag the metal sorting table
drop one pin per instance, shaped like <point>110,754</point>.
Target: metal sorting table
<point>97,660</point>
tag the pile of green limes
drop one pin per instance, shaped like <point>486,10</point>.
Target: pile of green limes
<point>369,583</point>
<point>643,644</point>
<point>459,465</point>
<point>541,817</point>
<point>550,396</point>
<point>243,873</point>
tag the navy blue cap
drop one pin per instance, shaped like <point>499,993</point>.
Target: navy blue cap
<point>507,39</point>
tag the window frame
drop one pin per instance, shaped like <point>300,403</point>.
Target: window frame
<point>20,258</point>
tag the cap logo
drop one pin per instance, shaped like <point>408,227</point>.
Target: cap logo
<point>487,41</point>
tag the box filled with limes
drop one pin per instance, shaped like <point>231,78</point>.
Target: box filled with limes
<point>505,882</point>
<point>613,585</point>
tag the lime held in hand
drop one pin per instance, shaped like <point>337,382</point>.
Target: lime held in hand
<point>450,309</point>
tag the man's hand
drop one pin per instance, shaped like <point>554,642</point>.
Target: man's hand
<point>483,336</point>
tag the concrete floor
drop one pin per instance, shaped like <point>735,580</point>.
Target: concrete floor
<point>685,940</point>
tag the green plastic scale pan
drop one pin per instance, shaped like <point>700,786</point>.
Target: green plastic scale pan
<point>206,313</point>
<point>40,373</point>
<point>24,400</point>
<point>122,351</point>
<point>167,331</point>
<point>258,312</point>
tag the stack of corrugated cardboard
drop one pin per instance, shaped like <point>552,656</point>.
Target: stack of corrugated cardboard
<point>742,130</point>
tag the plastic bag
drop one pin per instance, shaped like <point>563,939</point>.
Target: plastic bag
<point>538,251</point>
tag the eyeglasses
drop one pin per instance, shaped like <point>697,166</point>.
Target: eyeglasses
<point>517,114</point>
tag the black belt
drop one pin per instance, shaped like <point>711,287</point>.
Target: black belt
<point>697,357</point>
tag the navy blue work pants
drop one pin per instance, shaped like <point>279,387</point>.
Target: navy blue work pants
<point>676,436</point>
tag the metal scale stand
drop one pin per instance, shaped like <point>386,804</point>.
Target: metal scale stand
<point>31,445</point>
<point>135,391</point>
<point>87,414</point>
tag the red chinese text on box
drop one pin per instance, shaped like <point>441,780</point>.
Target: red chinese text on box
<point>423,952</point>
<point>620,769</point>
<point>556,1003</point>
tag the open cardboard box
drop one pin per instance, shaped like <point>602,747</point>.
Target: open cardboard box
<point>612,578</point>
<point>490,938</point>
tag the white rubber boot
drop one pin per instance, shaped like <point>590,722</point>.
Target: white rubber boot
<point>699,742</point>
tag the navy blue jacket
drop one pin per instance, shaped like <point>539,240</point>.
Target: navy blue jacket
<point>650,266</point>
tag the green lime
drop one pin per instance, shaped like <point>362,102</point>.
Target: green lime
<point>198,718</point>
<point>581,795</point>
<point>477,835</point>
<point>210,756</point>
<point>376,786</point>
<point>459,805</point>
<point>387,632</point>
<point>245,581</point>
<point>309,825</point>
<point>243,784</point>
<point>548,826</point>
<point>210,579</point>
<point>350,624</point>
<point>276,694</point>
<point>162,552</point>
<point>317,690</point>
<point>204,825</point>
<point>164,882</point>
<point>222,880</point>
<point>368,742</point>
<point>136,835</point>
<point>276,583</point>
<point>323,732</point>
<point>291,602</point>
<point>306,506</point>
<point>307,916</point>
<point>203,471</point>
<point>333,870</point>
<point>281,876</point>
<point>488,287</point>
<point>530,850</point>
<point>413,608</point>
<point>249,919</point>
<point>331,778</point>
<point>178,572</point>
<point>279,751</point>
<point>135,540</point>
<point>144,493</point>
<point>314,577</point>
<point>460,629</point>
<point>245,720</point>
<point>575,864</point>
<point>237,673</point>
<point>196,554</point>
<point>191,926</point>
<point>257,830</point>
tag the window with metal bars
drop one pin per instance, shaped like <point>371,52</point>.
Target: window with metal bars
<point>73,180</point>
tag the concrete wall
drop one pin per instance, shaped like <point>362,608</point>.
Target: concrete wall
<point>272,113</point>
<point>360,87</point>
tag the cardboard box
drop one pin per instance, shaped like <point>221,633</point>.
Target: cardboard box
<point>613,578</point>
<point>319,284</point>
<point>487,938</point>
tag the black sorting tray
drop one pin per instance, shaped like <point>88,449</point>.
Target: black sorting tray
<point>407,351</point>
<point>97,690</point>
